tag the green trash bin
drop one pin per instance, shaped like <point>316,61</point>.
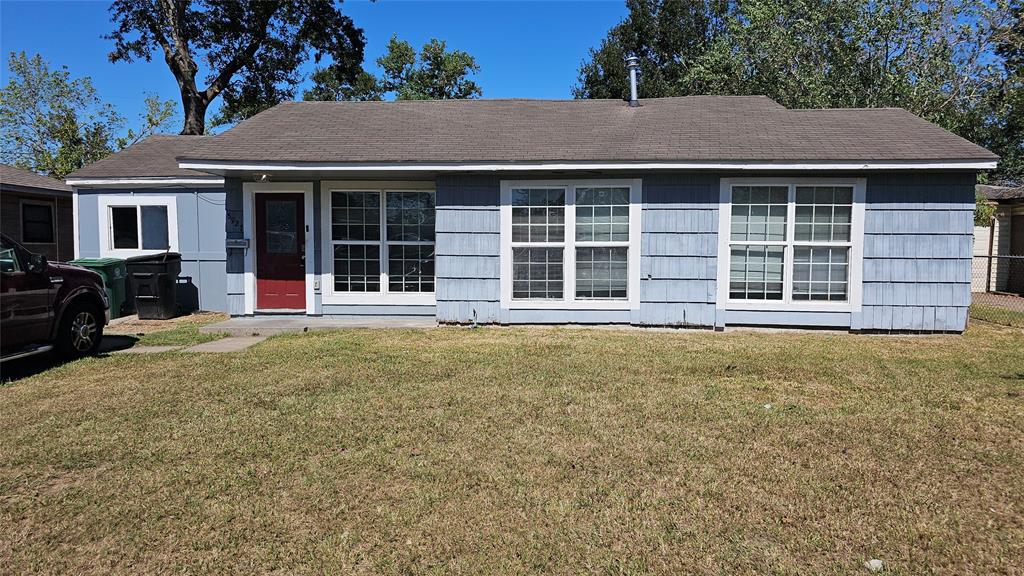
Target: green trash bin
<point>115,279</point>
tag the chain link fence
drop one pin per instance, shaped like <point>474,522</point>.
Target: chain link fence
<point>997,290</point>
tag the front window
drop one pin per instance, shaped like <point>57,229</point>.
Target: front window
<point>571,242</point>
<point>139,227</point>
<point>135,225</point>
<point>37,223</point>
<point>383,241</point>
<point>790,242</point>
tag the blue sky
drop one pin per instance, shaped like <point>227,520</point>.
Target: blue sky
<point>526,49</point>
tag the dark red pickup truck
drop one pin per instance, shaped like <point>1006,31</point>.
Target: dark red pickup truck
<point>46,305</point>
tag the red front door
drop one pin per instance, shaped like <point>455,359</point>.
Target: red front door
<point>280,252</point>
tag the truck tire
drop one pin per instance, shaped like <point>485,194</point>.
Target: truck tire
<point>80,330</point>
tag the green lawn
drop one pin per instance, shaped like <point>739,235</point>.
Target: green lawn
<point>523,451</point>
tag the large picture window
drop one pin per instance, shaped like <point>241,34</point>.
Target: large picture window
<point>790,242</point>
<point>382,241</point>
<point>571,243</point>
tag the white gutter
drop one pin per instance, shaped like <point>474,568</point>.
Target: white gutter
<point>132,182</point>
<point>562,166</point>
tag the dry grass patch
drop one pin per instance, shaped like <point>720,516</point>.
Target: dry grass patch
<point>523,450</point>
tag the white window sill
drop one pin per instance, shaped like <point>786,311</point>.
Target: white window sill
<point>123,253</point>
<point>760,305</point>
<point>569,305</point>
<point>380,299</point>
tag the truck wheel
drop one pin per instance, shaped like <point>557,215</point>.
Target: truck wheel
<point>80,331</point>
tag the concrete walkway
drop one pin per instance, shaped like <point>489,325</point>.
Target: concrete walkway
<point>271,325</point>
<point>145,350</point>
<point>233,344</point>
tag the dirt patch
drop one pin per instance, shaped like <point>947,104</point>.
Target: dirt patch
<point>133,326</point>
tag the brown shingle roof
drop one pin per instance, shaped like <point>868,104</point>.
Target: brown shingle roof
<point>695,128</point>
<point>153,157</point>
<point>21,178</point>
<point>1001,192</point>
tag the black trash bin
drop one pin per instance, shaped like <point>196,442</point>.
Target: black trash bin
<point>153,280</point>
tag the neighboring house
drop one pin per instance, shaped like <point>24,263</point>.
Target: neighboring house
<point>138,202</point>
<point>695,211</point>
<point>1004,237</point>
<point>36,211</point>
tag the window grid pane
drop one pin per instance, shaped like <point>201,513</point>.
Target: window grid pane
<point>125,226</point>
<point>411,268</point>
<point>357,268</point>
<point>756,272</point>
<point>602,214</point>
<point>821,273</point>
<point>823,213</point>
<point>759,213</point>
<point>601,273</point>
<point>155,235</point>
<point>355,216</point>
<point>538,215</point>
<point>537,273</point>
<point>410,216</point>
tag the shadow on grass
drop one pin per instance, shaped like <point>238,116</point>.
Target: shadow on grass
<point>15,370</point>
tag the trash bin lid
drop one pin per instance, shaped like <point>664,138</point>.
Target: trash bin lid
<point>96,262</point>
<point>156,258</point>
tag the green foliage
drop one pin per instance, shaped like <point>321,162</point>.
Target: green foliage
<point>669,36</point>
<point>253,50</point>
<point>984,210</point>
<point>55,124</point>
<point>939,59</point>
<point>329,86</point>
<point>433,74</point>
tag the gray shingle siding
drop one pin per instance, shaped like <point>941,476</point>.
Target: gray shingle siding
<point>678,250</point>
<point>918,230</point>
<point>468,249</point>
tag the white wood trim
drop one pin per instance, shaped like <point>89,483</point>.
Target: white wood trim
<point>569,301</point>
<point>137,182</point>
<point>205,165</point>
<point>77,243</point>
<point>384,297</point>
<point>106,202</point>
<point>854,301</point>
<point>249,190</point>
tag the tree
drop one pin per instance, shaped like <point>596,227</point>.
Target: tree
<point>1006,125</point>
<point>252,49</point>
<point>434,74</point>
<point>668,36</point>
<point>54,124</point>
<point>954,62</point>
<point>327,86</point>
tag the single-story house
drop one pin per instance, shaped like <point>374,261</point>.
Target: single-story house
<point>36,211</point>
<point>702,211</point>
<point>1003,237</point>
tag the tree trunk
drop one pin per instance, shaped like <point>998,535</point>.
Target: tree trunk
<point>194,105</point>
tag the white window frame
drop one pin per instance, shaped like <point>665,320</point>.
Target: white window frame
<point>856,245</point>
<point>52,205</point>
<point>569,244</point>
<point>384,296</point>
<point>105,203</point>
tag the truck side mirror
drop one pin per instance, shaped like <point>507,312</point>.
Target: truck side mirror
<point>36,263</point>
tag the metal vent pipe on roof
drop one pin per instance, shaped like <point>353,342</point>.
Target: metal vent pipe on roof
<point>633,63</point>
